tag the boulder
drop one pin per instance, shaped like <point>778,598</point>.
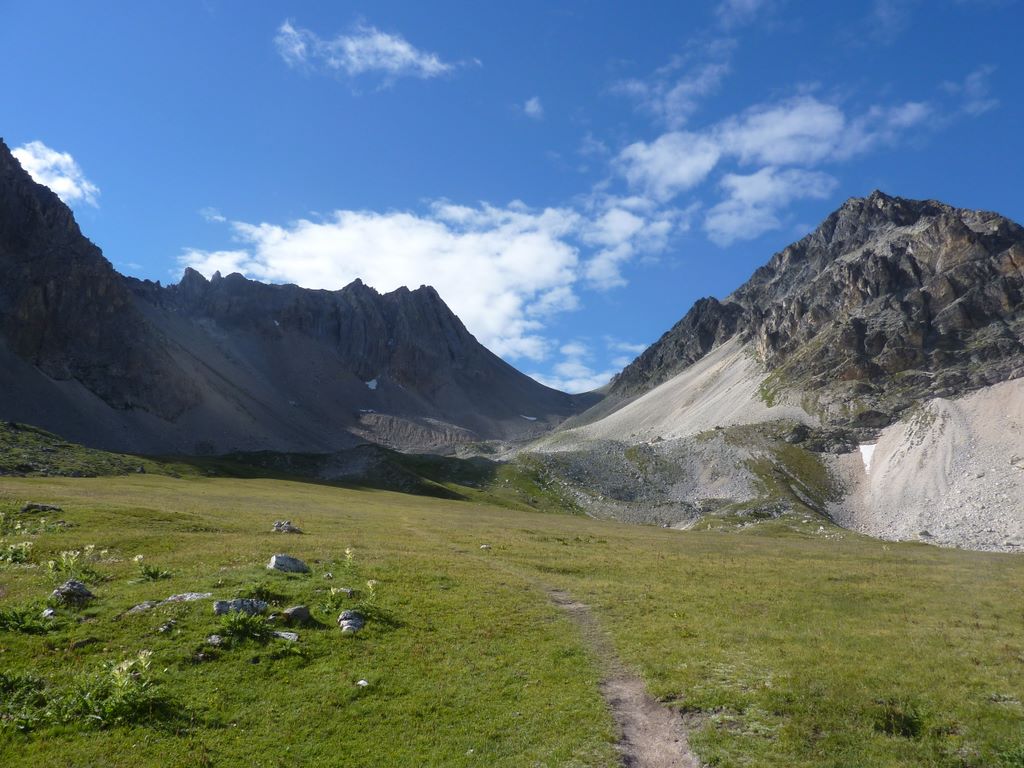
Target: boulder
<point>297,614</point>
<point>287,564</point>
<point>72,592</point>
<point>34,507</point>
<point>351,621</point>
<point>248,605</point>
<point>291,637</point>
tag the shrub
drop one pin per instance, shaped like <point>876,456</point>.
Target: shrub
<point>123,693</point>
<point>152,573</point>
<point>900,717</point>
<point>240,626</point>
<point>16,553</point>
<point>25,619</point>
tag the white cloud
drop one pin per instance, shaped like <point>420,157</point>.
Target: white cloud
<point>502,270</point>
<point>672,163</point>
<point>574,373</point>
<point>753,201</point>
<point>974,92</point>
<point>533,108</point>
<point>366,50</point>
<point>798,131</point>
<point>58,171</point>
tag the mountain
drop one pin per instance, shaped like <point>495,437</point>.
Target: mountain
<point>887,302</point>
<point>231,364</point>
<point>870,373</point>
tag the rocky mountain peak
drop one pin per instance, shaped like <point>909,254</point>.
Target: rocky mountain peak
<point>888,300</point>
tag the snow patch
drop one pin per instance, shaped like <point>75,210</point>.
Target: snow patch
<point>371,384</point>
<point>528,418</point>
<point>866,452</point>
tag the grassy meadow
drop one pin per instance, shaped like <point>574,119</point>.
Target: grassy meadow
<point>784,645</point>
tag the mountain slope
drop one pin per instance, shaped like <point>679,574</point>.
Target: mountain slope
<point>232,364</point>
<point>896,322</point>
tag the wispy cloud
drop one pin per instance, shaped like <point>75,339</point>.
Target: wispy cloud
<point>533,108</point>
<point>974,92</point>
<point>734,13</point>
<point>212,215</point>
<point>365,50</point>
<point>58,171</point>
<point>575,372</point>
<point>674,92</point>
<point>753,201</point>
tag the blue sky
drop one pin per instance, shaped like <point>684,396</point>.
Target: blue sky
<point>571,176</point>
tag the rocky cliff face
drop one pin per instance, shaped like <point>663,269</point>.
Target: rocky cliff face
<point>889,301</point>
<point>65,310</point>
<point>232,364</point>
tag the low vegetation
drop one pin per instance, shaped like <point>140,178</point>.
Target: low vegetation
<point>785,646</point>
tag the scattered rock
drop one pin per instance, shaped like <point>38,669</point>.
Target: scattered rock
<point>187,597</point>
<point>485,546</point>
<point>142,607</point>
<point>285,526</point>
<point>72,592</point>
<point>347,591</point>
<point>167,627</point>
<point>248,605</point>
<point>291,637</point>
<point>48,613</point>
<point>297,614</point>
<point>328,575</point>
<point>287,564</point>
<point>215,640</point>
<point>35,507</point>
<point>351,621</point>
<point>362,683</point>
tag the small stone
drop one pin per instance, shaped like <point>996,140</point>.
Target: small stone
<point>240,605</point>
<point>72,592</point>
<point>351,621</point>
<point>297,614</point>
<point>48,613</point>
<point>287,564</point>
<point>164,628</point>
<point>485,546</point>
<point>290,637</point>
<point>142,607</point>
<point>214,640</point>
<point>328,575</point>
<point>362,683</point>
<point>35,507</point>
<point>187,597</point>
<point>285,526</point>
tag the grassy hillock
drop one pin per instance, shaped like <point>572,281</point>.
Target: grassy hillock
<point>785,647</point>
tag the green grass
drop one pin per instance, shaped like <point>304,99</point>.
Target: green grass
<point>788,648</point>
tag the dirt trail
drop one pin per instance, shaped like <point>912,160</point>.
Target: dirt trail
<point>650,735</point>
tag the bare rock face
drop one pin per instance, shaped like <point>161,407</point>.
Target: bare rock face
<point>64,309</point>
<point>887,302</point>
